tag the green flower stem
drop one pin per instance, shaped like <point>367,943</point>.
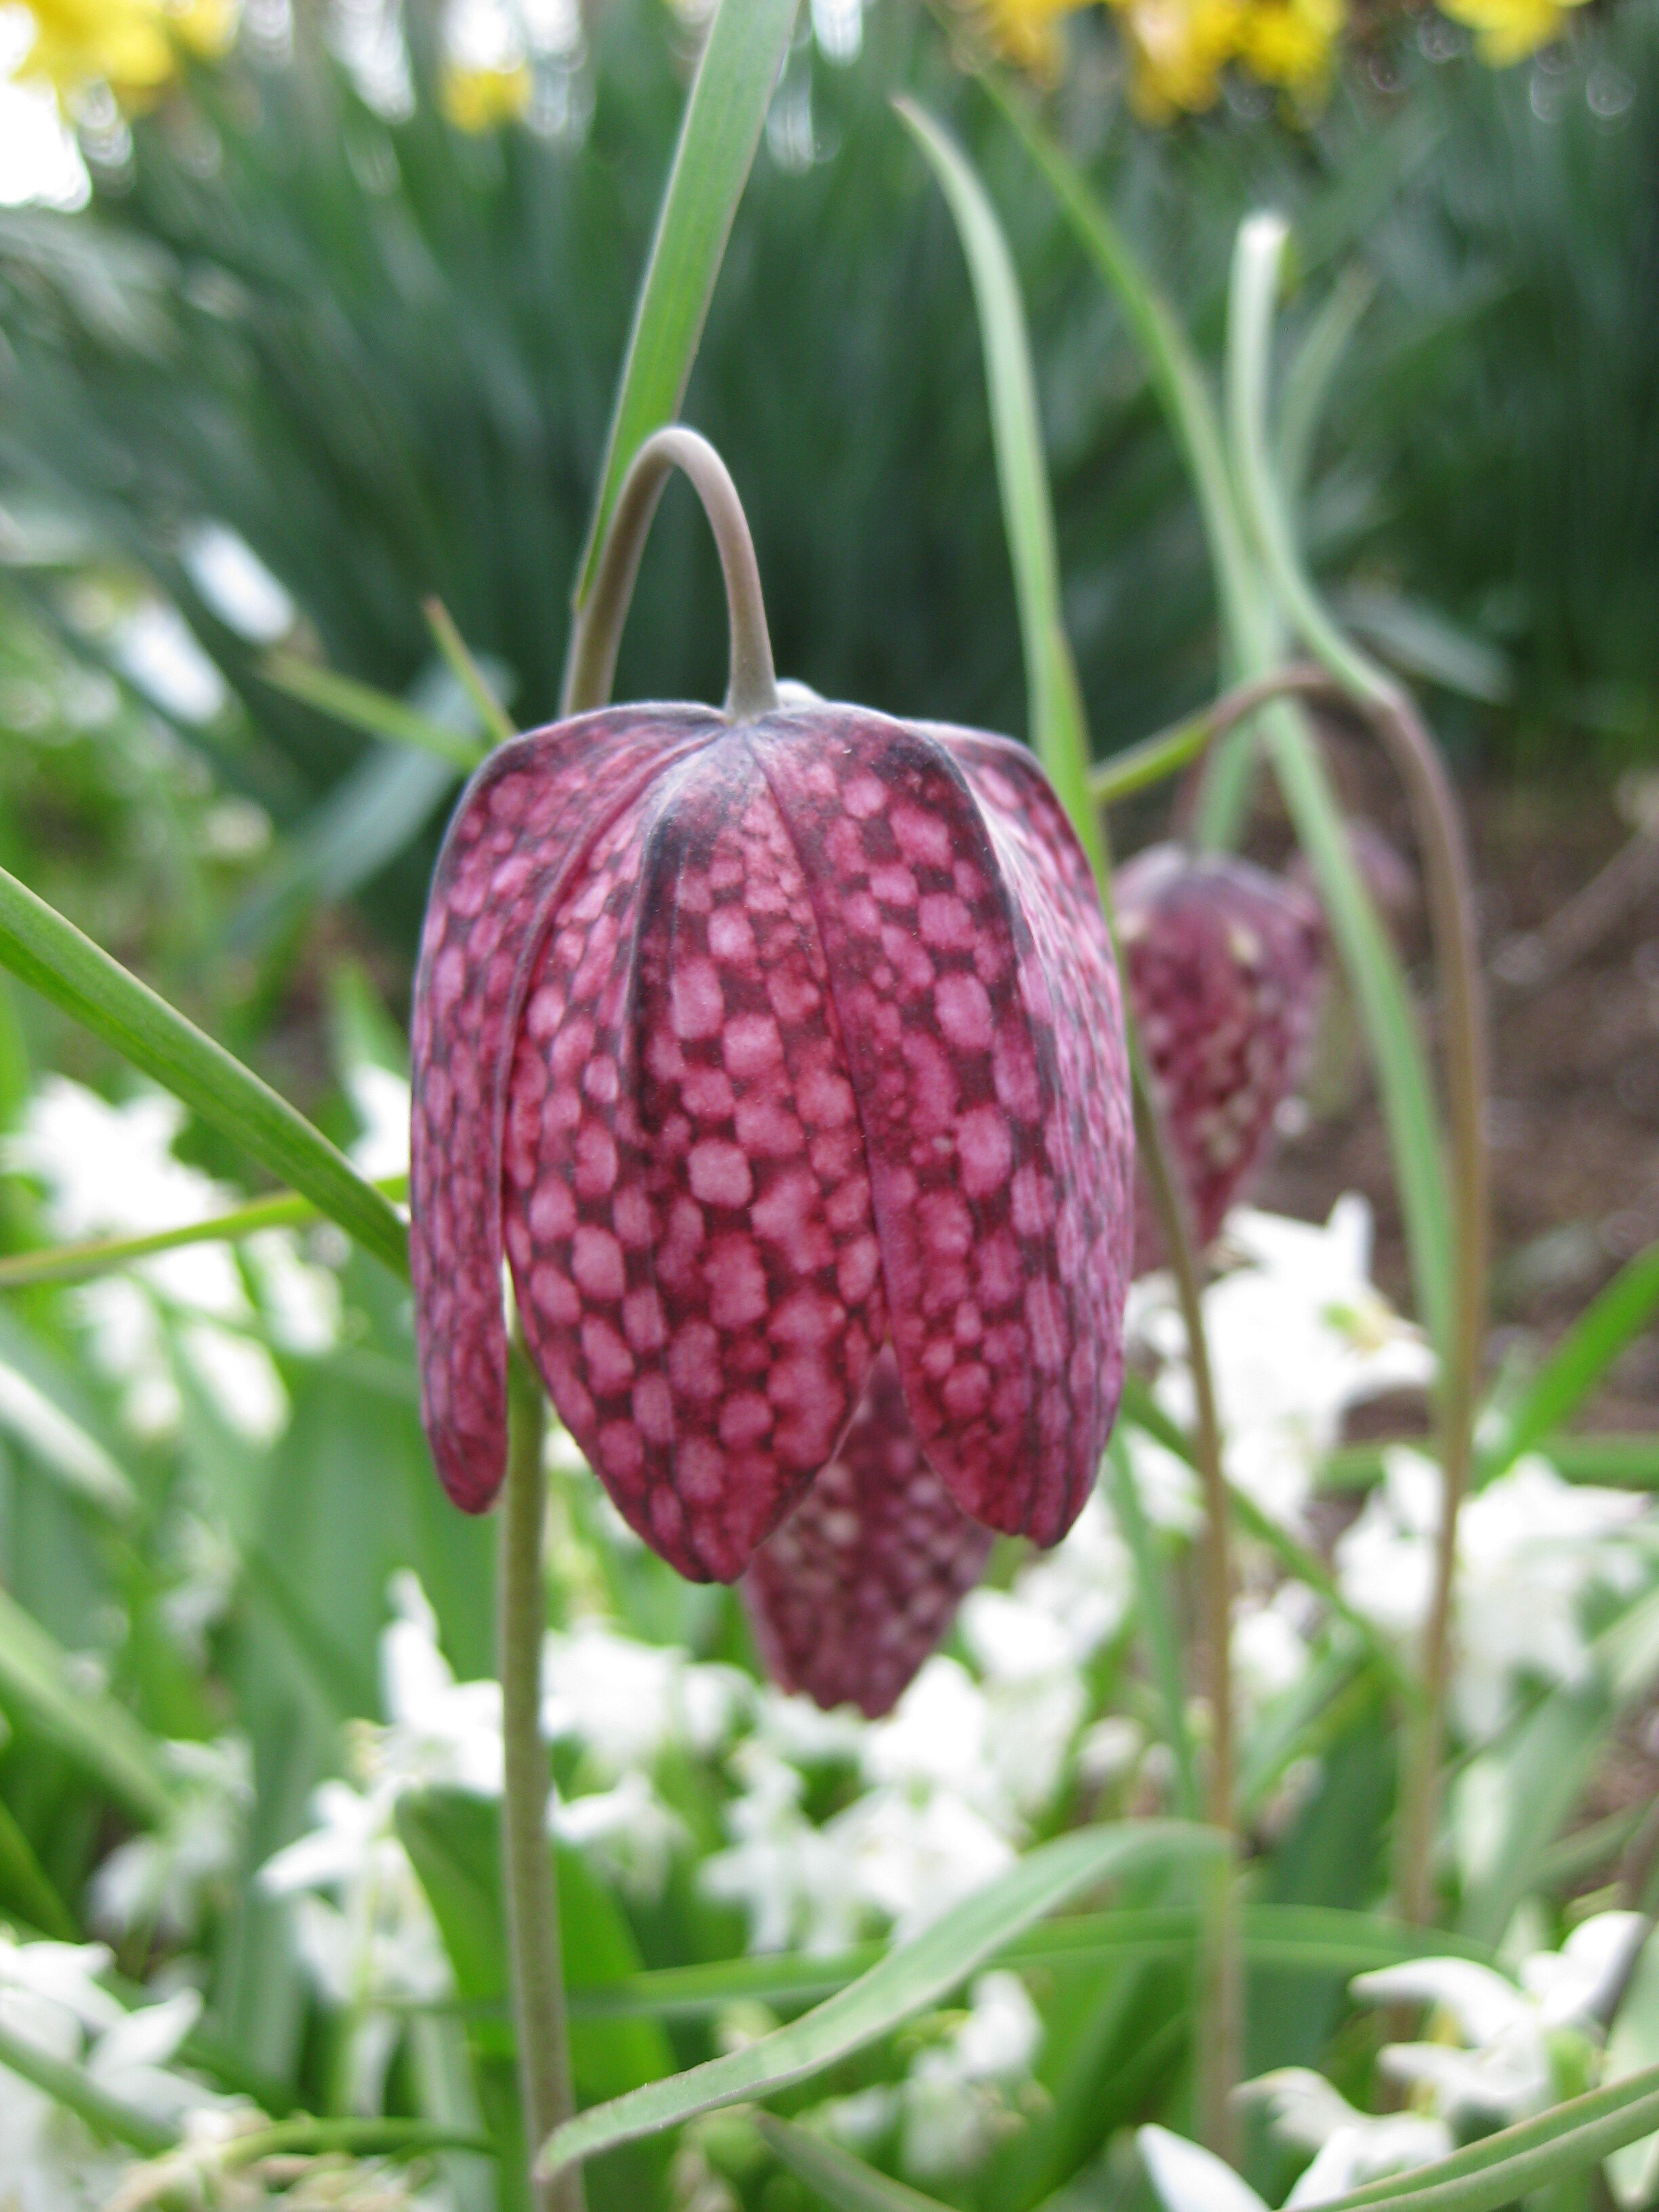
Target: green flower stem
<point>1171,751</point>
<point>752,689</point>
<point>1451,910</point>
<point>532,1905</point>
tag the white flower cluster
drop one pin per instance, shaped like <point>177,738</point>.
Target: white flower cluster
<point>1297,1333</point>
<point>1530,1549</point>
<point>53,2000</point>
<point>1494,2055</point>
<point>180,1317</point>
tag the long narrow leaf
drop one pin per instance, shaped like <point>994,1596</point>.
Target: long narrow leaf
<point>836,2175</point>
<point>1254,646</point>
<point>376,714</point>
<point>109,2118</point>
<point>746,43</point>
<point>1501,2169</point>
<point>102,1256</point>
<point>1579,1361</point>
<point>100,1736</point>
<point>1058,733</point>
<point>53,958</point>
<point>908,1980</point>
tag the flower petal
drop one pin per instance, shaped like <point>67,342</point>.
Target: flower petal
<point>973,982</point>
<point>1224,964</point>
<point>689,1219</point>
<point>524,818</point>
<point>862,1581</point>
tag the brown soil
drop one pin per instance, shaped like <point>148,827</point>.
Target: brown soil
<point>1574,1116</point>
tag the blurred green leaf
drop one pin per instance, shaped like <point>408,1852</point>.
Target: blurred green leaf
<point>25,1887</point>
<point>1578,1363</point>
<point>744,52</point>
<point>376,714</point>
<point>53,958</point>
<point>905,1982</point>
<point>836,2175</point>
<point>78,1263</point>
<point>112,2119</point>
<point>1504,2167</point>
<point>1058,733</point>
<point>38,1688</point>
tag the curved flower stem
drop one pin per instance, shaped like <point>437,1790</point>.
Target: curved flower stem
<point>1451,911</point>
<point>752,686</point>
<point>532,1904</point>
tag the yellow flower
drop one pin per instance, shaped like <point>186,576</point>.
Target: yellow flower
<point>1025,32</point>
<point>132,45</point>
<point>1292,42</point>
<point>1509,30</point>
<point>1178,50</point>
<point>479,100</point>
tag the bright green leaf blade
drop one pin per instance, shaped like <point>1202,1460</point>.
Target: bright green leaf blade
<point>53,958</point>
<point>743,53</point>
<point>377,713</point>
<point>1312,371</point>
<point>906,1982</point>
<point>102,1256</point>
<point>834,2174</point>
<point>100,1736</point>
<point>1579,1361</point>
<point>1501,2169</point>
<point>1059,732</point>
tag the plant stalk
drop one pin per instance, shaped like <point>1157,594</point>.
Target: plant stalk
<point>751,690</point>
<point>532,1905</point>
<point>1220,2000</point>
<point>1452,920</point>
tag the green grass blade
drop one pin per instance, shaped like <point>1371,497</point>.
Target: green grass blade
<point>836,2175</point>
<point>26,1887</point>
<point>376,714</point>
<point>53,958</point>
<point>492,715</point>
<point>1501,2169</point>
<point>1307,1567</point>
<point>1176,378</point>
<point>1589,1347</point>
<point>102,1256</point>
<point>1059,732</point>
<point>744,51</point>
<point>906,1981</point>
<point>100,1736</point>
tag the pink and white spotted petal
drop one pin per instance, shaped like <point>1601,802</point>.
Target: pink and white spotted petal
<point>521,825</point>
<point>688,1213</point>
<point>1224,965</point>
<point>864,1579</point>
<point>984,1045</point>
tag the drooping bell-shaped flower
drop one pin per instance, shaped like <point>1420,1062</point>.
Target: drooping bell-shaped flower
<point>758,1042</point>
<point>864,1578</point>
<point>1223,965</point>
